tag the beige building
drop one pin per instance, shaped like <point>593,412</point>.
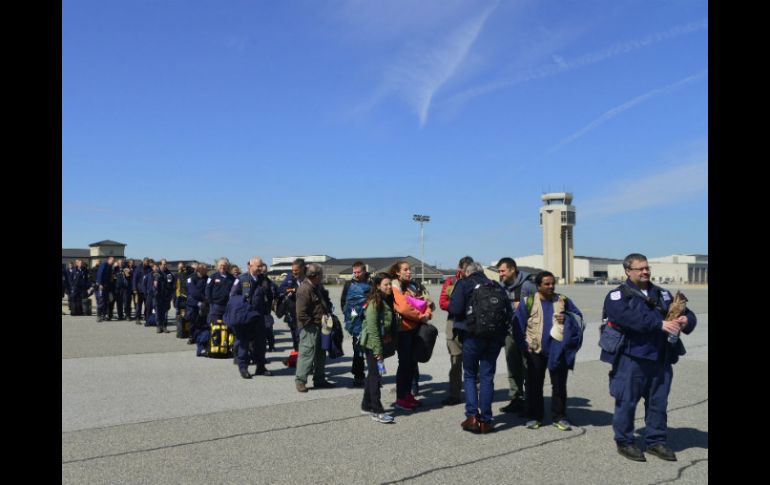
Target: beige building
<point>557,217</point>
<point>97,252</point>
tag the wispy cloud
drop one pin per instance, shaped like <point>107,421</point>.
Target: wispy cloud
<point>664,188</point>
<point>422,71</point>
<point>608,115</point>
<point>561,65</point>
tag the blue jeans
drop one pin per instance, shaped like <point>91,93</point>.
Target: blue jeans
<point>480,357</point>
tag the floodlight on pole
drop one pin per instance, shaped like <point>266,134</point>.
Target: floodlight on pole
<point>421,219</point>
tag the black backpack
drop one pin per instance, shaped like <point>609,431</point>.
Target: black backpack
<point>489,314</point>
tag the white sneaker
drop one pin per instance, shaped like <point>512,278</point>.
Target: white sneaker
<point>366,413</point>
<point>383,418</point>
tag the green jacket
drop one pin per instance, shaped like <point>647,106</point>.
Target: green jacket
<point>374,328</point>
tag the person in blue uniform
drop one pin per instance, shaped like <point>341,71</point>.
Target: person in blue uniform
<point>218,290</point>
<point>163,292</point>
<point>197,309</point>
<point>103,289</point>
<point>250,338</point>
<point>138,288</point>
<point>642,365</point>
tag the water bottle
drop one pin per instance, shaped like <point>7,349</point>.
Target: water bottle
<point>381,367</point>
<point>673,337</point>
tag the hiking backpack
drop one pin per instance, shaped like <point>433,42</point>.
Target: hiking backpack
<point>489,314</point>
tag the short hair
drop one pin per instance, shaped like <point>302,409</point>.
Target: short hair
<point>359,264</point>
<point>539,277</point>
<point>299,262</point>
<point>314,269</point>
<point>464,261</point>
<point>473,267</point>
<point>508,262</point>
<point>633,257</point>
<point>227,261</point>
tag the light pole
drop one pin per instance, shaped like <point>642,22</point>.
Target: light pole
<point>421,219</point>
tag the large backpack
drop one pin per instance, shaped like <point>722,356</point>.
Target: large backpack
<point>355,299</point>
<point>489,314</point>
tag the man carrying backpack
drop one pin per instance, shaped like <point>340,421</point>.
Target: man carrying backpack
<point>519,286</point>
<point>482,315</point>
<point>354,296</point>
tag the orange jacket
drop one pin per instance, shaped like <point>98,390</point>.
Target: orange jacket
<point>410,317</point>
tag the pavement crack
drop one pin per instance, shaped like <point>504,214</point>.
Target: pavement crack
<point>681,471</point>
<point>220,438</point>
<point>479,460</point>
<point>499,455</point>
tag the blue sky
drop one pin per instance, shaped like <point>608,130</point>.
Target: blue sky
<point>199,129</point>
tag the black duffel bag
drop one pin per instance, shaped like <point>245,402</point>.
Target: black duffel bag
<point>424,341</point>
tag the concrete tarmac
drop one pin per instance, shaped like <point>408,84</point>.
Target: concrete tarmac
<point>139,407</point>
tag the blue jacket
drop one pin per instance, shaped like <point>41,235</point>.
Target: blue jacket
<point>355,298</point>
<point>641,322</point>
<point>461,298</point>
<point>104,274</point>
<point>521,287</point>
<point>218,288</point>
<point>163,283</point>
<point>558,353</point>
<point>196,289</point>
<point>259,292</point>
<point>138,278</point>
<point>78,280</point>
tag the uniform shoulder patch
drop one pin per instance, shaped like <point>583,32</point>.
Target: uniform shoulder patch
<point>189,280</point>
<point>615,295</point>
<point>208,281</point>
<point>666,295</point>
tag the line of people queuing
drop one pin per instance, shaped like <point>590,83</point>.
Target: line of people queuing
<point>542,331</point>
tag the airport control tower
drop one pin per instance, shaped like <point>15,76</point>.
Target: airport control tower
<point>557,217</point>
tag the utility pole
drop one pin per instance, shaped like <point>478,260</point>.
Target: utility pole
<point>421,219</point>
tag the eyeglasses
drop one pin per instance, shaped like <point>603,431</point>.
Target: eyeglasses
<point>645,268</point>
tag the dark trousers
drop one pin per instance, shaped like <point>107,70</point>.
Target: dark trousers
<point>76,298</point>
<point>123,300</point>
<point>139,302</point>
<point>291,321</point>
<point>406,363</point>
<point>111,303</point>
<point>250,340</point>
<point>371,401</point>
<point>536,367</point>
<point>200,331</point>
<point>269,335</point>
<point>148,303</point>
<point>634,379</point>
<point>102,301</point>
<point>162,306</point>
<point>358,360</point>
